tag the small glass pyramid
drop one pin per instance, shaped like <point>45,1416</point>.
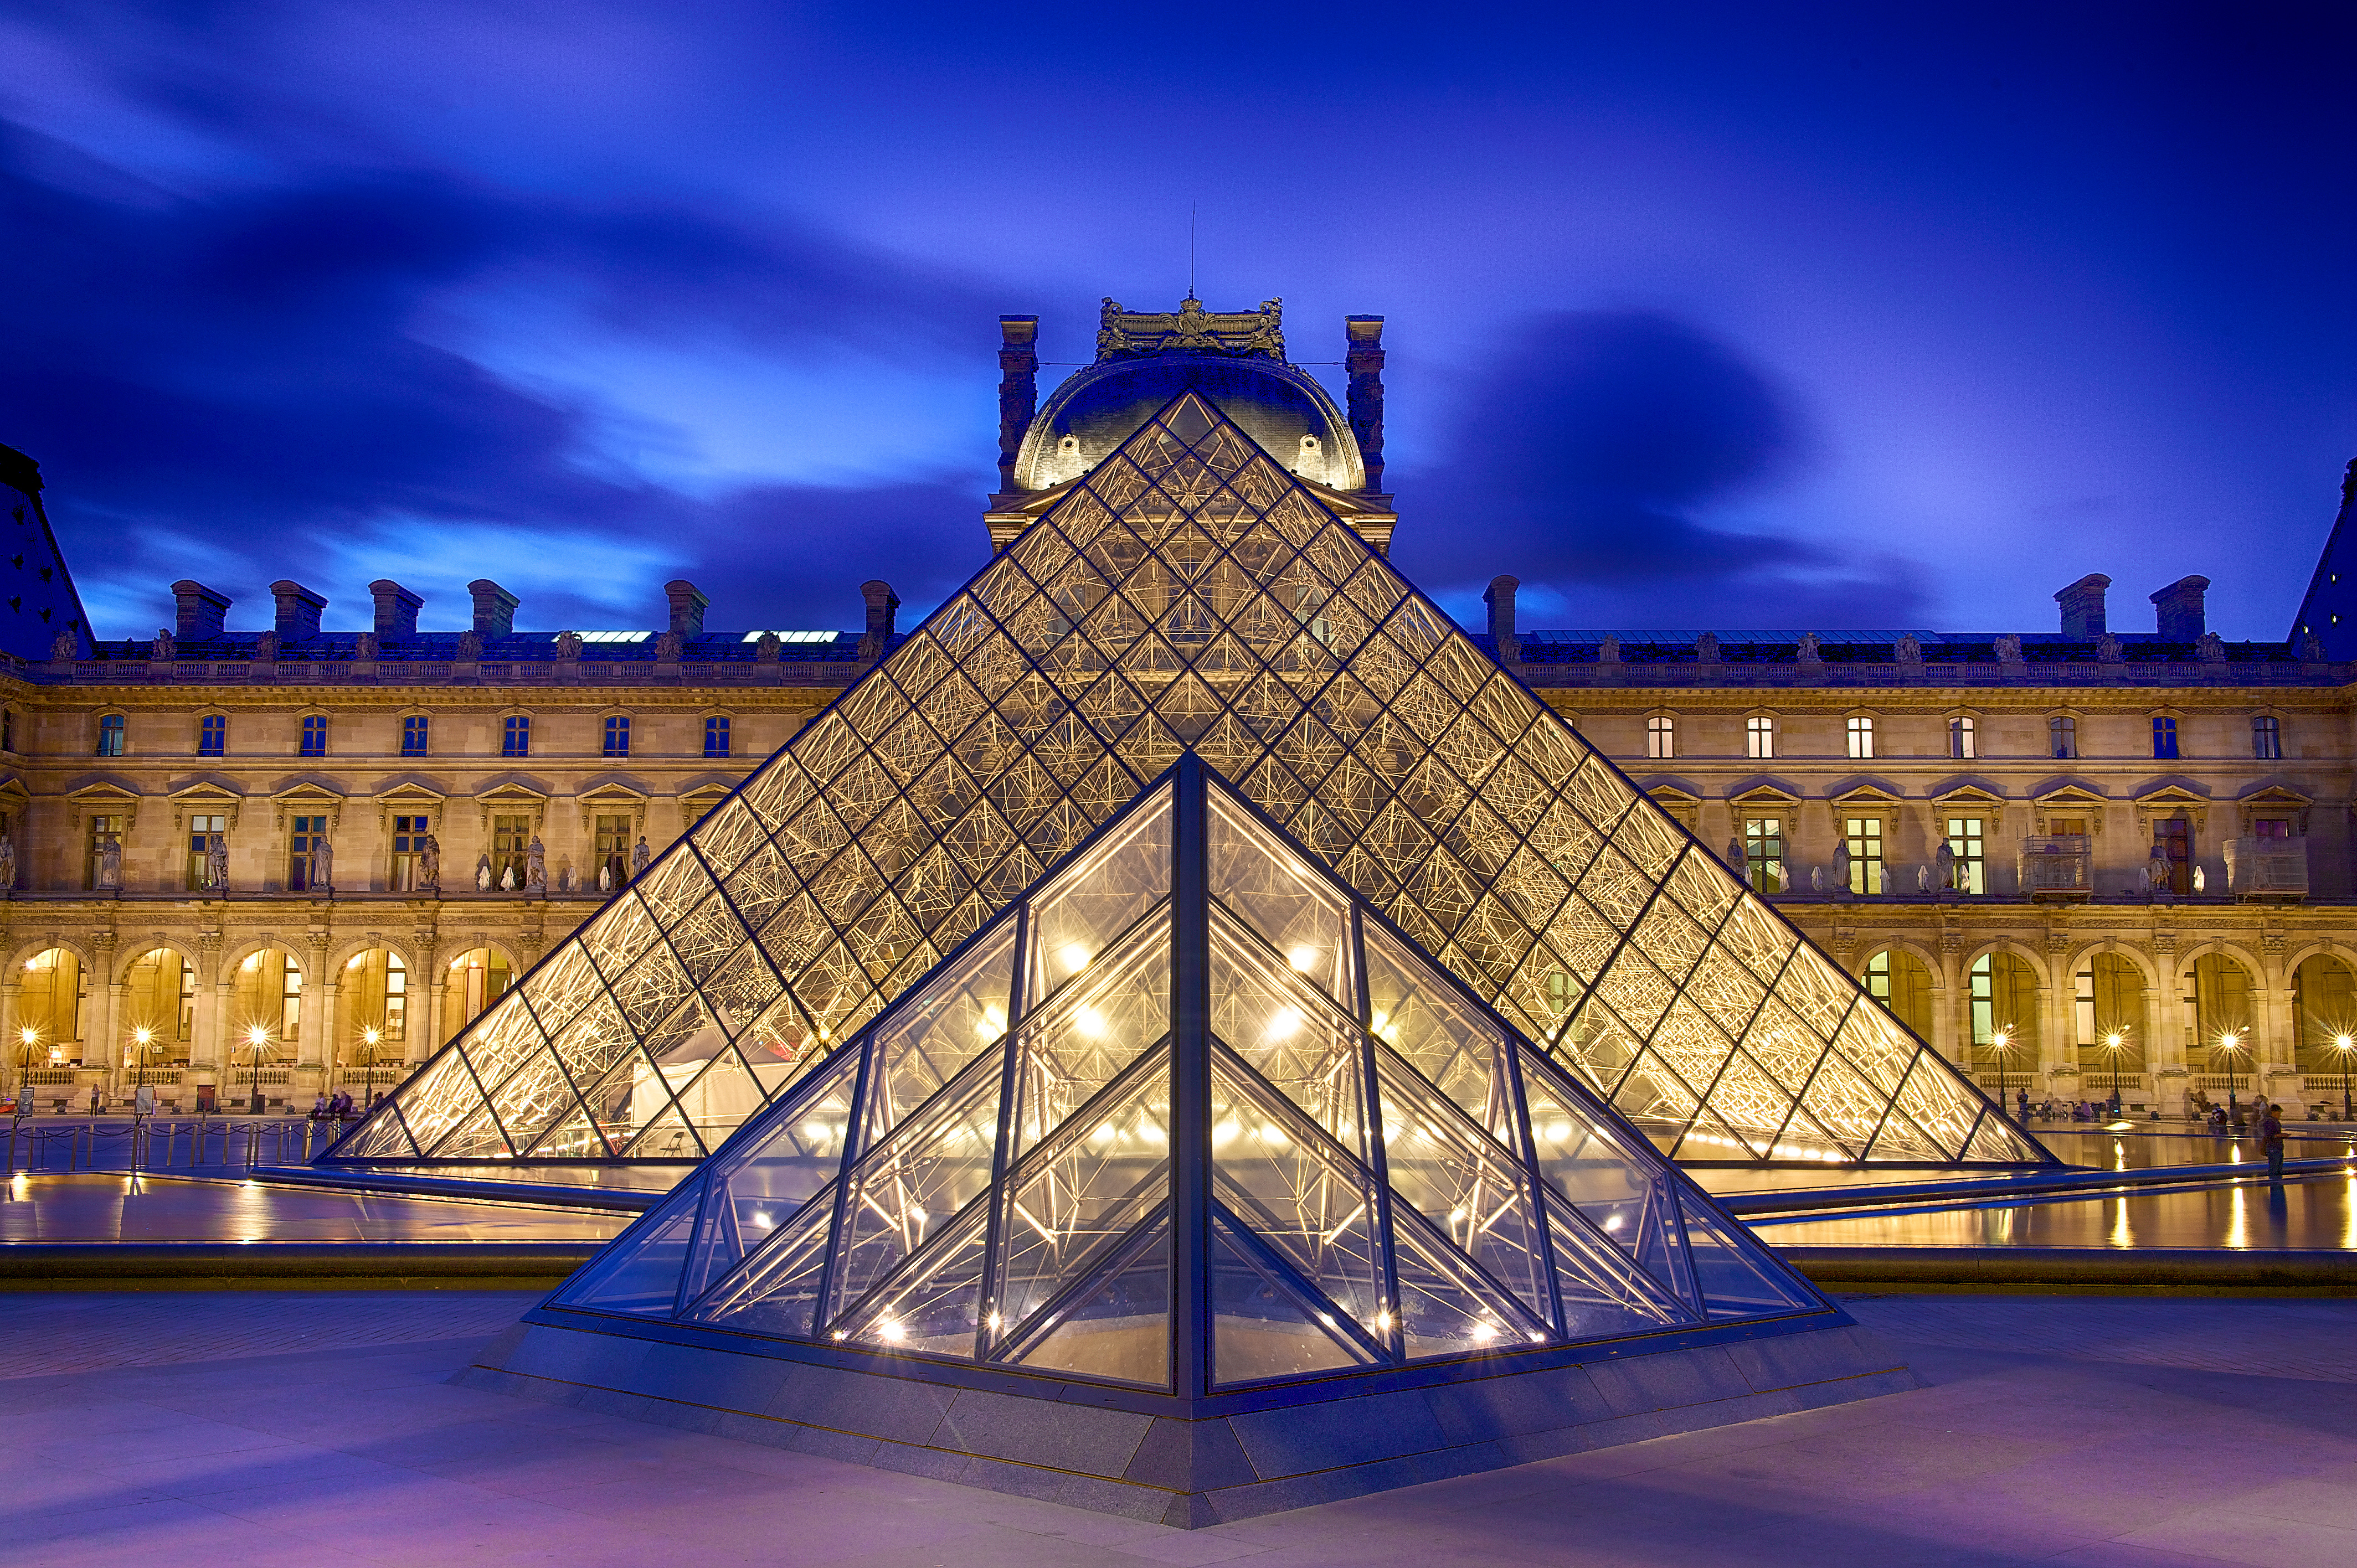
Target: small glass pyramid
<point>1189,1079</point>
<point>1188,596</point>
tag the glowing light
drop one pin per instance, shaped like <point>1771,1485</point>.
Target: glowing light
<point>1285,1023</point>
<point>143,1036</point>
<point>28,1034</point>
<point>991,1023</point>
<point>762,1217</point>
<point>1073,957</point>
<point>357,960</point>
<point>889,1329</point>
<point>1613,1223</point>
<point>2343,1043</point>
<point>1304,959</point>
<point>993,1323</point>
<point>1088,1021</point>
<point>1558,1132</point>
<point>1225,1132</point>
<point>370,1035</point>
<point>253,962</point>
<point>257,1036</point>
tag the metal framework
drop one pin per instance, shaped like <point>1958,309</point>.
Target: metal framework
<point>1187,596</point>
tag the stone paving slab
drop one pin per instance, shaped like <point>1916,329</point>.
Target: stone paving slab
<point>2096,1433</point>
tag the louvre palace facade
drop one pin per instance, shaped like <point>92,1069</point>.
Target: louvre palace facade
<point>298,858</point>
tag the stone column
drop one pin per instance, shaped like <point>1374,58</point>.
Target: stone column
<point>111,1028</point>
<point>420,1046</point>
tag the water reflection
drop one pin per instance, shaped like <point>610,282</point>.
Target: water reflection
<point>2321,1213</point>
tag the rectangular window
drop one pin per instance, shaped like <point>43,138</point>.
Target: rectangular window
<point>617,736</point>
<point>1964,739</point>
<point>2271,828</point>
<point>509,838</point>
<point>303,834</point>
<point>315,735</point>
<point>408,842</point>
<point>2164,735</point>
<point>1966,842</point>
<point>1763,854</point>
<point>716,737</point>
<point>2266,739</point>
<point>202,833</point>
<point>1983,1002</point>
<point>613,853</point>
<point>1661,736</point>
<point>515,740</point>
<point>1861,738</point>
<point>111,733</point>
<point>104,831</point>
<point>2172,844</point>
<point>417,732</point>
<point>2063,736</point>
<point>1864,835</point>
<point>212,735</point>
<point>1760,736</point>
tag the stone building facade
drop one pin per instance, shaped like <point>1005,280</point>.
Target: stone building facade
<point>2074,860</point>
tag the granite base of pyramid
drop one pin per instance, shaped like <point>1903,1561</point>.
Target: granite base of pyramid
<point>1091,1447</point>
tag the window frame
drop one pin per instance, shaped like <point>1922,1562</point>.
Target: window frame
<point>2063,737</point>
<point>1964,738</point>
<point>113,735</point>
<point>723,726</point>
<point>2165,745</point>
<point>1661,738</point>
<point>2267,737</point>
<point>212,735</point>
<point>1759,737</point>
<point>1763,855</point>
<point>312,739</point>
<point>616,735</point>
<point>1859,728</point>
<point>1970,847</point>
<point>515,734</point>
<point>420,726</point>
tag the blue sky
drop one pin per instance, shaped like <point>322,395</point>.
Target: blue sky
<point>1826,316</point>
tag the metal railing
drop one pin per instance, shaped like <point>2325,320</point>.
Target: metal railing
<point>164,1143</point>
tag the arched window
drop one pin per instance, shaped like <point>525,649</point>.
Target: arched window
<point>2111,1023</point>
<point>477,980</point>
<point>2222,1015</point>
<point>374,997</point>
<point>52,1002</point>
<point>159,1001</point>
<point>2003,1017</point>
<point>2324,999</point>
<point>1902,983</point>
<point>265,1010</point>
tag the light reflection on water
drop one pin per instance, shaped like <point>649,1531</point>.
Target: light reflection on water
<point>2321,1213</point>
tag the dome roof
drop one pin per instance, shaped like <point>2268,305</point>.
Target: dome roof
<point>1278,405</point>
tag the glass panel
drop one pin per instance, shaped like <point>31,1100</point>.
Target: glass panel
<point>1094,902</point>
<point>1067,1202</point>
<point>1308,1200</point>
<point>1120,1330</point>
<point>1736,1278</point>
<point>1288,1033</point>
<point>1623,1196</point>
<point>1447,1308</point>
<point>937,1308</point>
<point>937,1163</point>
<point>775,1289</point>
<point>1602,1295</point>
<point>1413,1012</point>
<point>762,1183</point>
<point>1293,907</point>
<point>1469,1188</point>
<point>639,1273</point>
<point>1265,1326</point>
<point>928,1039</point>
<point>1084,1039</point>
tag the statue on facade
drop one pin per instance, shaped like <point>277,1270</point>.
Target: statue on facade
<point>1734,860</point>
<point>2009,648</point>
<point>1608,651</point>
<point>2108,650</point>
<point>669,645</point>
<point>1841,867</point>
<point>568,645</point>
<point>2213,647</point>
<point>1943,866</point>
<point>217,863</point>
<point>483,875</point>
<point>1816,879</point>
<point>2200,880</point>
<point>606,878</point>
<point>535,868</point>
<point>65,647</point>
<point>2156,871</point>
<point>1909,650</point>
<point>1924,877</point>
<point>1706,648</point>
<point>766,651</point>
<point>110,862</point>
<point>323,867</point>
<point>364,647</point>
<point>640,855</point>
<point>7,864</point>
<point>1811,650</point>
<point>265,648</point>
<point>2311,648</point>
<point>166,645</point>
<point>507,877</point>
<point>470,646</point>
<point>429,864</point>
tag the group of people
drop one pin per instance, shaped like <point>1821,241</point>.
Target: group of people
<point>2070,1110</point>
<point>336,1107</point>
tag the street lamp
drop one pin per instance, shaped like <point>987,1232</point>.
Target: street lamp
<point>2112,1042</point>
<point>28,1041</point>
<point>2000,1043</point>
<point>2230,1041</point>
<point>2344,1044</point>
<point>257,1040</point>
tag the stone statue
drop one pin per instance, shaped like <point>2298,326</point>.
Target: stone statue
<point>470,646</point>
<point>766,651</point>
<point>1924,877</point>
<point>323,867</point>
<point>668,647</point>
<point>1943,866</point>
<point>1816,879</point>
<point>1735,854</point>
<point>1607,652</point>
<point>2009,648</point>
<point>2311,648</point>
<point>507,877</point>
<point>217,863</point>
<point>2213,647</point>
<point>640,855</point>
<point>1910,649</point>
<point>166,645</point>
<point>535,868</point>
<point>266,649</point>
<point>1841,867</point>
<point>2200,880</point>
<point>1706,648</point>
<point>2156,871</point>
<point>429,864</point>
<point>364,647</point>
<point>65,646</point>
<point>110,862</point>
<point>568,645</point>
<point>483,875</point>
<point>605,879</point>
<point>2108,649</point>
<point>7,864</point>
<point>1811,649</point>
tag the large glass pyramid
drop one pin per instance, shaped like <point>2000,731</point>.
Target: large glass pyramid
<point>1187,596</point>
<point>1190,1077</point>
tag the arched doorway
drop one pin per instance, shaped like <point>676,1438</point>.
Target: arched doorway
<point>53,1005</point>
<point>2324,1000</point>
<point>159,1016</point>
<point>264,1026</point>
<point>477,978</point>
<point>2004,1003</point>
<point>2113,1025</point>
<point>2224,1038</point>
<point>372,1028</point>
<point>1902,983</point>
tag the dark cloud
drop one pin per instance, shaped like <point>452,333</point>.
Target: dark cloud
<point>241,386</point>
<point>1589,458</point>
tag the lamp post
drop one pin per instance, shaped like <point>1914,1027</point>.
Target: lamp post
<point>2344,1044</point>
<point>257,1040</point>
<point>28,1042</point>
<point>2000,1043</point>
<point>2112,1043</point>
<point>2230,1041</point>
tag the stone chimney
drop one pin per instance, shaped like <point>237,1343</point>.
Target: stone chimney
<point>2183,618</point>
<point>687,607</point>
<point>1503,635</point>
<point>881,602</point>
<point>2082,608</point>
<point>396,608</point>
<point>1018,391</point>
<point>1363,362</point>
<point>495,608</point>
<point>298,611</point>
<point>200,611</point>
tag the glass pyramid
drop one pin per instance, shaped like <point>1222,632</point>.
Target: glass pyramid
<point>1190,1077</point>
<point>1188,596</point>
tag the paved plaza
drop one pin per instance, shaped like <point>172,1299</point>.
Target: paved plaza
<point>302,1429</point>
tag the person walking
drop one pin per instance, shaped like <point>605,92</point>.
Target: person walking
<point>2021,1105</point>
<point>2271,1138</point>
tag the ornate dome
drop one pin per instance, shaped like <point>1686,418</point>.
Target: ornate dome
<point>1235,360</point>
